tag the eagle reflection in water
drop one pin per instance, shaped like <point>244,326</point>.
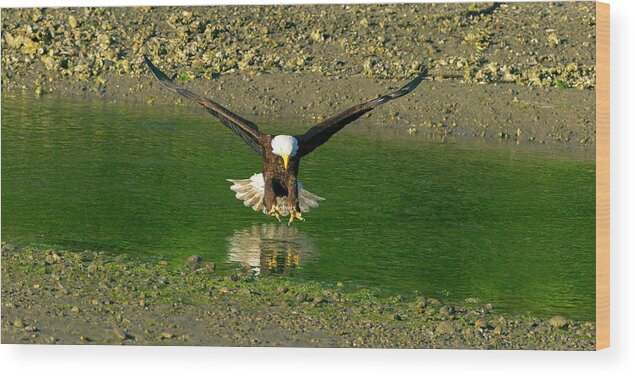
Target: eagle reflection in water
<point>270,248</point>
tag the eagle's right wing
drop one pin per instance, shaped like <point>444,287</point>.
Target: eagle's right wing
<point>321,133</point>
<point>244,128</point>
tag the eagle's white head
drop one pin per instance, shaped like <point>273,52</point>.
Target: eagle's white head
<point>284,146</point>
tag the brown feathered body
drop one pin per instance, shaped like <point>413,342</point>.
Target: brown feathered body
<point>279,181</point>
<point>275,185</point>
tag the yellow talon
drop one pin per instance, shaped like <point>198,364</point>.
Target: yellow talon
<point>294,214</point>
<point>275,212</point>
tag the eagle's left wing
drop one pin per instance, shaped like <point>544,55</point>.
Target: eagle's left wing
<point>321,132</point>
<point>244,128</point>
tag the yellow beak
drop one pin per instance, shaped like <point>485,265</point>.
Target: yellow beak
<point>285,158</point>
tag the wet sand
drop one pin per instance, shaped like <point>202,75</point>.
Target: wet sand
<point>52,296</point>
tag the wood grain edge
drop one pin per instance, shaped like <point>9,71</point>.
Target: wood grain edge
<point>602,182</point>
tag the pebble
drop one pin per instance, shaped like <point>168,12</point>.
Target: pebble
<point>193,262</point>
<point>282,289</point>
<point>209,266</point>
<point>445,327</point>
<point>166,335</point>
<point>30,328</point>
<point>72,22</point>
<point>318,301</point>
<point>18,323</point>
<point>558,322</point>
<point>301,297</point>
<point>421,301</point>
<point>446,311</point>
<point>51,339</point>
<point>481,323</point>
<point>53,258</point>
<point>468,333</point>
<point>8,247</point>
<point>121,334</point>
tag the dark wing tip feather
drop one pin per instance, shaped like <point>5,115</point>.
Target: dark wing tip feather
<point>410,86</point>
<point>414,83</point>
<point>155,71</point>
<point>162,77</point>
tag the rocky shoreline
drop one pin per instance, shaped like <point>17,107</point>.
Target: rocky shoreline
<point>53,296</point>
<point>522,71</point>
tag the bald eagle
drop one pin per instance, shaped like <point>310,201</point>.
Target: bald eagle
<point>276,191</point>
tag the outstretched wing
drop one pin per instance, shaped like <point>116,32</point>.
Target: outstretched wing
<point>321,133</point>
<point>247,130</point>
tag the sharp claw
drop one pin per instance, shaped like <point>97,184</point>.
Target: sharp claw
<point>294,214</point>
<point>275,212</point>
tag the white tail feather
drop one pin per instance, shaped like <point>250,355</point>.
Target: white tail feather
<point>252,192</point>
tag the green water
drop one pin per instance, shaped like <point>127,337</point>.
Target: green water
<point>403,215</point>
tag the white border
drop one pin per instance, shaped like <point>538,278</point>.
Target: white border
<point>618,360</point>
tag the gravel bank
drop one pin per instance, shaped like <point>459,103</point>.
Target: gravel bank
<point>512,71</point>
<point>52,296</point>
